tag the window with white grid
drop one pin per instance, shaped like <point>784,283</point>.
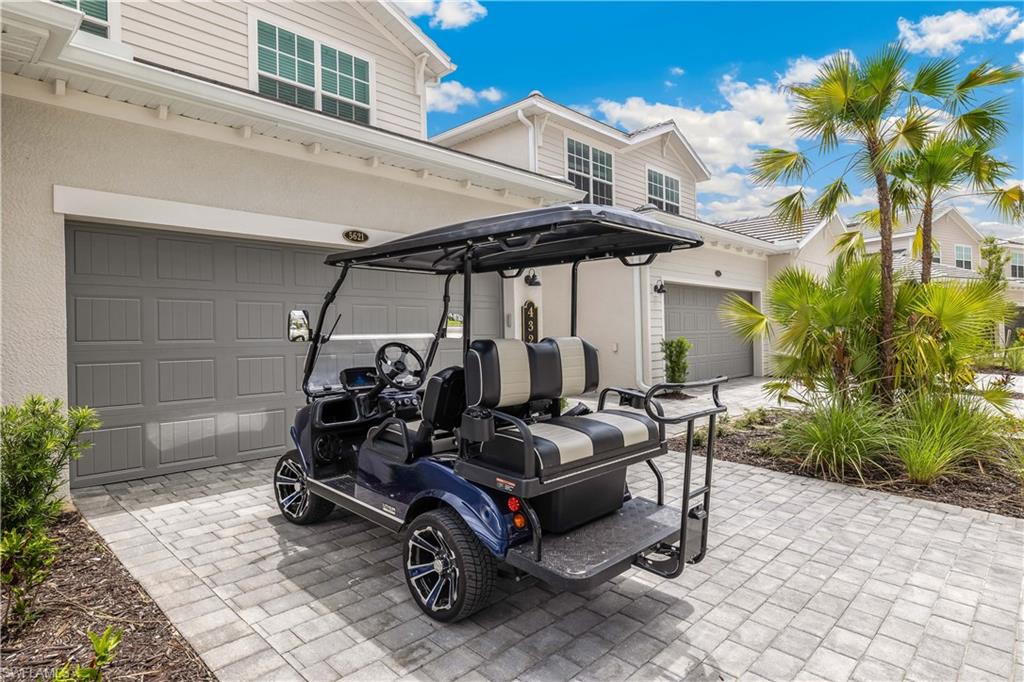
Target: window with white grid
<point>590,170</point>
<point>663,191</point>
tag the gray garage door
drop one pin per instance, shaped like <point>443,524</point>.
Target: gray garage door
<point>179,342</point>
<point>692,312</point>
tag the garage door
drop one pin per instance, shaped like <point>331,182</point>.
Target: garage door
<point>179,342</point>
<point>692,312</point>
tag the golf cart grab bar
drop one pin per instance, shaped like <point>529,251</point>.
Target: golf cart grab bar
<point>649,400</point>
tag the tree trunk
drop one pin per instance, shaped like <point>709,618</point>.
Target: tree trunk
<point>885,350</point>
<point>926,241</point>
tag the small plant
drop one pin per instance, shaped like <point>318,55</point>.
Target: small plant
<point>25,558</point>
<point>838,440</point>
<point>756,417</point>
<point>676,364</point>
<point>941,436</point>
<point>103,649</point>
<point>38,441</point>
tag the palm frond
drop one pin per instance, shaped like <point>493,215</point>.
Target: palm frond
<point>984,122</point>
<point>744,318</point>
<point>911,131</point>
<point>981,76</point>
<point>789,210</point>
<point>917,245</point>
<point>832,196</point>
<point>936,78</point>
<point>779,165</point>
<point>1008,202</point>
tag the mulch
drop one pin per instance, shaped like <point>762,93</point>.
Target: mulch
<point>995,489</point>
<point>87,590</point>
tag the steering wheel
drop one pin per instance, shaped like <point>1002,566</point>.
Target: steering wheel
<point>399,366</point>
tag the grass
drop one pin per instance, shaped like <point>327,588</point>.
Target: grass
<point>943,436</point>
<point>837,440</point>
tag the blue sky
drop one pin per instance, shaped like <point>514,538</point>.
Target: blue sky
<point>714,67</point>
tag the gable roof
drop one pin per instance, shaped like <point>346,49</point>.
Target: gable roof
<point>410,35</point>
<point>537,104</point>
<point>908,266</point>
<point>769,229</point>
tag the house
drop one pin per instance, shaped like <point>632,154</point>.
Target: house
<point>173,176</point>
<point>654,170</point>
<point>956,250</point>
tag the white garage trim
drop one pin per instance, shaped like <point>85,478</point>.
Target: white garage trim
<point>136,211</point>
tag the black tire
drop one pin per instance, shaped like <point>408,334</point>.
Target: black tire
<point>297,504</point>
<point>461,558</point>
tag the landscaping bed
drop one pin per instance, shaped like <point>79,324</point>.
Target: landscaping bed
<point>754,441</point>
<point>87,590</point>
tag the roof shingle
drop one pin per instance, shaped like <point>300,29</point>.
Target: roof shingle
<point>769,229</point>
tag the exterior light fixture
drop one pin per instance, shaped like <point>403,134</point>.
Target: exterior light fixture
<point>531,279</point>
<point>659,287</point>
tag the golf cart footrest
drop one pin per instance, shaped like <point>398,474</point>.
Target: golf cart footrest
<point>664,558</point>
<point>602,549</point>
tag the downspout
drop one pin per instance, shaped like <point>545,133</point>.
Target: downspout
<point>640,323</point>
<point>532,136</point>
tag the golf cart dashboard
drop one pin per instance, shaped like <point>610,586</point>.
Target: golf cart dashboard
<point>359,378</point>
<point>360,408</point>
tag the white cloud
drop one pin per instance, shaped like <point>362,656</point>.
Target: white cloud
<point>753,202</point>
<point>450,95</point>
<point>669,84</point>
<point>1020,58</point>
<point>677,71</point>
<point>946,33</point>
<point>803,69</point>
<point>999,229</point>
<point>756,116</point>
<point>445,13</point>
<point>584,109</point>
<point>1016,34</point>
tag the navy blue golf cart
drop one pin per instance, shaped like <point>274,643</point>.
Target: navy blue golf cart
<point>478,466</point>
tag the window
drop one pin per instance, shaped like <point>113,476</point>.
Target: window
<point>345,81</point>
<point>590,170</point>
<point>663,191</point>
<point>936,256</point>
<point>964,256</point>
<point>287,69</point>
<point>303,70</point>
<point>96,21</point>
<point>1017,265</point>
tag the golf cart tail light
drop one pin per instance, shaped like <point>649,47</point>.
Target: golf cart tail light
<point>519,521</point>
<point>514,504</point>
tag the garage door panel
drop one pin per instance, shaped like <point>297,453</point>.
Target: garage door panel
<point>179,341</point>
<point>692,312</point>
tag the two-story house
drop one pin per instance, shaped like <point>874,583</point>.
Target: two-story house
<point>173,174</point>
<point>627,312</point>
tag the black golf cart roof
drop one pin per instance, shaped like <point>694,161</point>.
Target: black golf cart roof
<point>525,239</point>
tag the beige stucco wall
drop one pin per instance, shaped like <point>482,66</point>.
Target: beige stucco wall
<point>44,145</point>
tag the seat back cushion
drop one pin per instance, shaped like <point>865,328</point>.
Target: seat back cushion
<point>444,399</point>
<point>504,372</point>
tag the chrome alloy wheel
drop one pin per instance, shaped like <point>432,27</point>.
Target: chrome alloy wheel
<point>291,489</point>
<point>432,569</point>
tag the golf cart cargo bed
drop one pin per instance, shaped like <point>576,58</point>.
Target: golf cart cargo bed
<point>602,549</point>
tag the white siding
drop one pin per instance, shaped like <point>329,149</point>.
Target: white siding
<point>210,39</point>
<point>509,144</point>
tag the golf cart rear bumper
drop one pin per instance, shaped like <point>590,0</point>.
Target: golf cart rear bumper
<point>592,554</point>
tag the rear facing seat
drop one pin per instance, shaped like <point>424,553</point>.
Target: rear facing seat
<point>504,374</point>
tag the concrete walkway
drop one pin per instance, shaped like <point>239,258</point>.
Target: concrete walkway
<point>804,580</point>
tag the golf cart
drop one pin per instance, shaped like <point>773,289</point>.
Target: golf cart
<point>478,466</point>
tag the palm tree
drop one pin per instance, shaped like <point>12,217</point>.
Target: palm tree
<point>941,166</point>
<point>876,108</point>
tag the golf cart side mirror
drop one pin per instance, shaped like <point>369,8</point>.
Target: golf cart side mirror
<point>298,326</point>
<point>453,326</point>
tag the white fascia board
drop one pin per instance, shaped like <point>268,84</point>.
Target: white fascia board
<point>129,209</point>
<point>443,64</point>
<point>895,235</point>
<point>55,23</point>
<point>670,127</point>
<point>161,82</point>
<point>820,226</point>
<point>719,234</point>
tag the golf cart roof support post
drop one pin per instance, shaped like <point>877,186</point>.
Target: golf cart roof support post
<point>316,339</point>
<point>467,301</point>
<point>442,325</point>
<point>573,294</point>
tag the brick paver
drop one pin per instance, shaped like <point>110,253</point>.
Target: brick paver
<point>804,579</point>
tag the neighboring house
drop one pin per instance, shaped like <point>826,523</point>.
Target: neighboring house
<point>656,170</point>
<point>957,250</point>
<point>174,174</point>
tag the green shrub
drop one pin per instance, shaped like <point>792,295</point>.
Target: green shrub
<point>838,440</point>
<point>941,436</point>
<point>38,440</point>
<point>25,558</point>
<point>103,649</point>
<point>676,364</point>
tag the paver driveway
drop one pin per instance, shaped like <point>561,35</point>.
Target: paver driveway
<point>804,579</point>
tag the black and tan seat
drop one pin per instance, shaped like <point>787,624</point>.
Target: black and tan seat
<point>507,373</point>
